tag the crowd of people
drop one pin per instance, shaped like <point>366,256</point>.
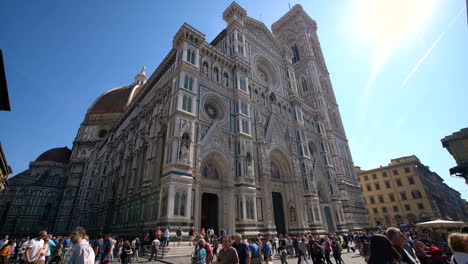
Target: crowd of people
<point>390,247</point>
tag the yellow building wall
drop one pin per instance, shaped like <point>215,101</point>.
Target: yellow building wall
<point>396,211</point>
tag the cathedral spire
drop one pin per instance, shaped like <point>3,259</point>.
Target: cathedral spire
<point>141,78</point>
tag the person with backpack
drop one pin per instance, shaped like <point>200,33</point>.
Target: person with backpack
<point>327,249</point>
<point>5,252</point>
<point>283,249</point>
<point>336,248</point>
<point>155,249</point>
<point>179,236</point>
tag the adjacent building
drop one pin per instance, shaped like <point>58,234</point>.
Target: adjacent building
<point>5,169</point>
<point>242,133</point>
<point>457,146</point>
<point>406,191</point>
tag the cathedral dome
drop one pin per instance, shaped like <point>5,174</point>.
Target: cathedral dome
<point>112,101</point>
<point>60,155</point>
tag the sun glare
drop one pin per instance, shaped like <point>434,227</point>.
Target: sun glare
<point>386,23</point>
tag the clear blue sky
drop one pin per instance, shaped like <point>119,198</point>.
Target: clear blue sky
<point>60,55</point>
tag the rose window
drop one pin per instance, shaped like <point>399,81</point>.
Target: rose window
<point>211,111</point>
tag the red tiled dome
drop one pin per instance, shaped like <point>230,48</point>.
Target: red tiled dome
<point>112,101</point>
<point>61,155</point>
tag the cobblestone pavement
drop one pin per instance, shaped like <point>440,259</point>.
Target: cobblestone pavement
<point>349,258</point>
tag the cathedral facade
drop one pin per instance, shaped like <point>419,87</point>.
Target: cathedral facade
<point>242,133</point>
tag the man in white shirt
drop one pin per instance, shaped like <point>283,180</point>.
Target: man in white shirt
<point>154,249</point>
<point>166,235</point>
<point>34,247</point>
<point>81,252</point>
<point>4,241</point>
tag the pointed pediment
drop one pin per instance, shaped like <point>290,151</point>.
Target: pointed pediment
<point>261,31</point>
<point>275,132</point>
<point>215,139</point>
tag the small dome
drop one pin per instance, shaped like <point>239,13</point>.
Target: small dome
<point>112,101</point>
<point>61,155</point>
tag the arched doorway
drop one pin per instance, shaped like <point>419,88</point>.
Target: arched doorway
<point>279,172</point>
<point>324,199</point>
<point>209,214</point>
<point>212,212</point>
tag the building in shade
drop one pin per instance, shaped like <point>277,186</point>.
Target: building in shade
<point>242,133</point>
<point>457,146</point>
<point>406,191</point>
<point>5,169</point>
<point>31,201</point>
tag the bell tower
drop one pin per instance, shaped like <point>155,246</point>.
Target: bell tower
<point>298,32</point>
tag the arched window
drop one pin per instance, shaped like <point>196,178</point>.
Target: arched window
<point>295,51</point>
<point>164,204</point>
<point>216,74</point>
<point>176,203</point>
<point>188,82</point>
<point>191,56</point>
<point>226,79</point>
<point>183,199</point>
<point>55,180</point>
<point>303,168</point>
<point>304,85</point>
<point>187,103</point>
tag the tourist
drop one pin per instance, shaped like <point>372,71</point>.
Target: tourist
<point>326,249</point>
<point>81,252</point>
<point>267,252</point>
<point>191,235</point>
<point>154,249</point>
<point>67,243</point>
<point>255,251</point>
<point>179,236</point>
<point>4,241</point>
<point>108,246</point>
<point>275,243</point>
<point>126,252</point>
<point>12,249</point>
<point>302,251</point>
<point>34,247</point>
<point>209,253</point>
<point>283,249</point>
<point>336,248</point>
<point>136,245</point>
<point>437,255</point>
<point>49,248</point>
<point>199,254</point>
<point>98,247</point>
<point>382,252</point>
<point>167,236</point>
<point>398,241</point>
<point>458,243</point>
<point>22,247</point>
<point>228,254</point>
<point>215,246</point>
<point>158,233</point>
<point>425,240</point>
<point>5,253</point>
<point>242,249</point>
<point>57,254</point>
<point>420,250</point>
<point>317,255</point>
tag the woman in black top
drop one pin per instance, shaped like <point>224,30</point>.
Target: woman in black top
<point>126,252</point>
